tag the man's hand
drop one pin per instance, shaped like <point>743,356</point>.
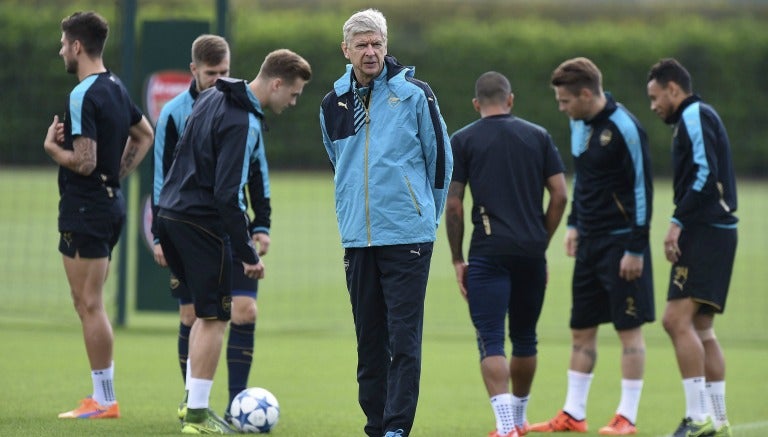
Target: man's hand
<point>571,241</point>
<point>631,267</point>
<point>157,251</point>
<point>254,271</point>
<point>461,277</point>
<point>671,248</point>
<point>54,138</point>
<point>261,241</point>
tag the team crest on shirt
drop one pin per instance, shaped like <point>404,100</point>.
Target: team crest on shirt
<point>393,100</point>
<point>605,137</point>
<point>680,277</point>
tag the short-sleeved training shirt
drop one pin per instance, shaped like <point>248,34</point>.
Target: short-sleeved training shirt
<point>506,161</point>
<point>99,108</point>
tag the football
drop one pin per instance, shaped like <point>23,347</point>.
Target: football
<point>254,410</point>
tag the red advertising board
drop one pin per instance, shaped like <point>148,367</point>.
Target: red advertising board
<point>161,87</point>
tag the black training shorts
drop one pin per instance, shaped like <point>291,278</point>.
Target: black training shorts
<point>703,270</point>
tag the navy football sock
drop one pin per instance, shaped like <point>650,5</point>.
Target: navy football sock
<point>183,348</point>
<point>239,356</point>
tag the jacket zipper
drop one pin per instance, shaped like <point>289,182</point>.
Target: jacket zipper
<point>621,207</point>
<point>365,171</point>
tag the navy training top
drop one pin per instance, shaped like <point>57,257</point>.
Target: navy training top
<point>507,161</point>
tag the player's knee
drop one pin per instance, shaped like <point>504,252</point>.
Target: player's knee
<point>671,324</point>
<point>87,306</point>
<point>187,319</point>
<point>524,345</point>
<point>244,311</point>
<point>187,314</point>
<point>490,345</point>
<point>706,334</point>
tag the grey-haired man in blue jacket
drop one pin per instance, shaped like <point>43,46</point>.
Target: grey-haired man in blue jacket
<point>392,163</point>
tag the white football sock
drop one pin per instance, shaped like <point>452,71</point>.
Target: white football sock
<point>696,399</point>
<point>520,410</point>
<point>103,385</point>
<point>199,392</point>
<point>502,409</point>
<point>630,398</point>
<point>578,391</point>
<point>189,375</point>
<point>716,392</point>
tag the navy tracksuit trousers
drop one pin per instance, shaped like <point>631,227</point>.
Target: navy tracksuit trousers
<point>387,286</point>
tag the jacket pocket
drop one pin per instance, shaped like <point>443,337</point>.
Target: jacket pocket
<point>412,194</point>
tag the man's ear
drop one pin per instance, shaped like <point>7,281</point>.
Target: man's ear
<point>674,89</point>
<point>476,104</point>
<point>586,93</point>
<point>344,49</point>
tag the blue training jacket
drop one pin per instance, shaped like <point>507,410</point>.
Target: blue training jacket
<point>392,165</point>
<point>170,126</point>
<point>704,182</point>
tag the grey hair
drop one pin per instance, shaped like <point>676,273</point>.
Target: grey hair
<point>365,21</point>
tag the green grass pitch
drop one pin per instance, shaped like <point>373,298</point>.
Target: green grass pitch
<point>305,347</point>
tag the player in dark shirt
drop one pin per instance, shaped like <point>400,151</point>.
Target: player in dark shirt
<point>508,162</point>
<point>102,139</point>
<point>700,243</point>
<point>608,235</point>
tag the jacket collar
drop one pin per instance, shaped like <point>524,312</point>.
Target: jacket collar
<point>237,91</point>
<point>393,75</point>
<point>688,101</point>
<point>606,112</point>
<point>193,89</point>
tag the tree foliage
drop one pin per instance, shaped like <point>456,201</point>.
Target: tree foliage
<point>450,43</point>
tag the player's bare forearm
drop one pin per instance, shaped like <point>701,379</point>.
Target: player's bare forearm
<point>140,139</point>
<point>454,224</point>
<point>128,162</point>
<point>82,159</point>
<point>558,199</point>
<point>454,220</point>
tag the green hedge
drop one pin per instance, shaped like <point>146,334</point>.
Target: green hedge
<point>450,43</point>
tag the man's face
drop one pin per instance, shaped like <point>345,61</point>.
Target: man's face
<point>575,106</point>
<point>67,52</point>
<point>285,94</point>
<point>205,74</point>
<point>366,54</point>
<point>661,99</point>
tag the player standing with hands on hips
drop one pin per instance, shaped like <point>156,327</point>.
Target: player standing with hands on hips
<point>102,139</point>
<point>507,162</point>
<point>700,244</point>
<point>202,219</point>
<point>390,152</point>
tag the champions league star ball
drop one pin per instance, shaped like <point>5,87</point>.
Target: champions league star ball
<point>254,410</point>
